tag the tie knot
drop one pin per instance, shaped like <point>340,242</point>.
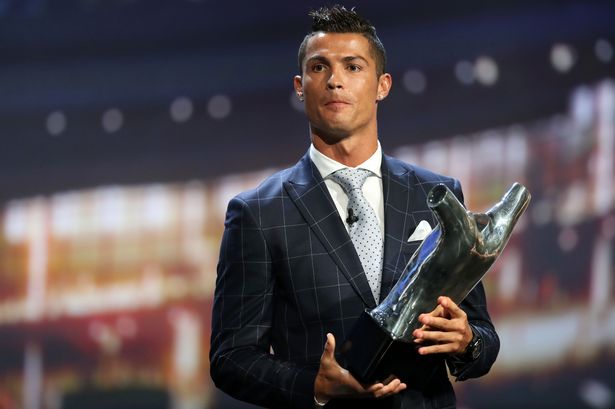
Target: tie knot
<point>350,179</point>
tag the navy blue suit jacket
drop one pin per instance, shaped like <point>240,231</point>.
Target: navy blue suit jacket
<point>288,273</point>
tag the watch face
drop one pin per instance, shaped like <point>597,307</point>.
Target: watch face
<point>475,347</point>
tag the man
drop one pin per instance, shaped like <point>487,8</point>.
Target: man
<point>306,252</point>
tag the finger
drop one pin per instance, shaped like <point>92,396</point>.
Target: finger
<point>439,323</point>
<point>394,387</point>
<point>425,327</point>
<point>330,345</point>
<point>452,308</point>
<point>441,337</point>
<point>387,389</point>
<point>329,349</point>
<point>436,312</point>
<point>388,379</point>
<point>372,389</point>
<point>437,349</point>
<point>400,388</point>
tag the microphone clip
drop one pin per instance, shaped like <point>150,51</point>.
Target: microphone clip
<point>352,218</point>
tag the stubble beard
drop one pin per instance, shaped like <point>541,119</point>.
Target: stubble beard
<point>329,136</point>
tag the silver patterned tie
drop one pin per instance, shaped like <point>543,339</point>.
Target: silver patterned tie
<point>363,225</point>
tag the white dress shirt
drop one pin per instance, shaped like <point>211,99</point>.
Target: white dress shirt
<point>372,188</point>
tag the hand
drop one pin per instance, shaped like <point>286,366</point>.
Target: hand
<point>445,329</point>
<point>333,381</point>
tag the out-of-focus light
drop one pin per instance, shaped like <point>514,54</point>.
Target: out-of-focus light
<point>186,344</point>
<point>126,327</point>
<point>486,71</point>
<point>181,109</point>
<point>596,394</point>
<point>603,50</point>
<point>12,311</point>
<point>56,123</point>
<point>219,106</point>
<point>562,57</point>
<point>177,287</point>
<point>109,341</point>
<point>582,108</point>
<point>112,120</point>
<point>66,215</point>
<point>516,152</point>
<point>436,154</point>
<point>157,207</point>
<point>415,81</point>
<point>464,71</point>
<point>110,208</point>
<point>295,102</point>
<point>16,222</point>
<point>96,329</point>
<point>510,275</point>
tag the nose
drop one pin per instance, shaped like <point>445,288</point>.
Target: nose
<point>334,81</point>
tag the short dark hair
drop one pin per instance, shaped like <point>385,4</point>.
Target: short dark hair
<point>338,19</point>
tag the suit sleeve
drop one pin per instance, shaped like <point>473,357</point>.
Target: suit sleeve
<point>241,362</point>
<point>475,306</point>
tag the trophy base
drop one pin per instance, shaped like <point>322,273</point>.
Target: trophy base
<point>372,355</point>
<point>366,348</point>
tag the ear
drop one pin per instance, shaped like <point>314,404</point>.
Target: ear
<point>385,82</point>
<point>298,85</point>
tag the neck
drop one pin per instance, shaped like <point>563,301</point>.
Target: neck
<point>350,151</point>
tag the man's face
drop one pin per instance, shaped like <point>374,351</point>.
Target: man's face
<point>340,86</point>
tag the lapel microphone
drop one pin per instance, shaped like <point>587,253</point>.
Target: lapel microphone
<point>351,217</point>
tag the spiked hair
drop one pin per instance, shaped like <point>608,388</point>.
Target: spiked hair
<point>338,19</point>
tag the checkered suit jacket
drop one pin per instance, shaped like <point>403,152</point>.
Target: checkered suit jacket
<point>288,273</point>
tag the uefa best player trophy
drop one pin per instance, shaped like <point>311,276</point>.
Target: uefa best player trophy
<point>451,261</point>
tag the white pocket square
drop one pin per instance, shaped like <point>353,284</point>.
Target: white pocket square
<point>421,231</point>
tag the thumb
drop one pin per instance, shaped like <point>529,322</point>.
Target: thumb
<point>329,351</point>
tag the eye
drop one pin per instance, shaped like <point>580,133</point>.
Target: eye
<point>318,67</point>
<point>354,67</point>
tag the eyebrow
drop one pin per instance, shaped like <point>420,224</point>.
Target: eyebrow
<point>355,57</point>
<point>349,58</point>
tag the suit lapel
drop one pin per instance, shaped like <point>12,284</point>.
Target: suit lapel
<point>308,191</point>
<point>399,202</point>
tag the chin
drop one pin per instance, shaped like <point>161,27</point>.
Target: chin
<point>331,135</point>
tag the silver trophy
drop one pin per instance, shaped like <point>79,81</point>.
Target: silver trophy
<point>451,261</point>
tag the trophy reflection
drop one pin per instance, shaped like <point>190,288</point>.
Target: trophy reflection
<point>451,261</point>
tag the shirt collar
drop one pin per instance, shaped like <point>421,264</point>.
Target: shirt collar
<point>327,166</point>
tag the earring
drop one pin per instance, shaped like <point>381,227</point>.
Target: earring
<point>300,96</point>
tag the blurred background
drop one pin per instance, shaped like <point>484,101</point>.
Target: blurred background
<point>126,126</point>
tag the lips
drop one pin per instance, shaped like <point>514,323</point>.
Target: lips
<point>336,104</point>
<point>337,101</point>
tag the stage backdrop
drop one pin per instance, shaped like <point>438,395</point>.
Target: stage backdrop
<point>126,126</point>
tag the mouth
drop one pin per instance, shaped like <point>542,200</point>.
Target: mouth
<point>336,104</point>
